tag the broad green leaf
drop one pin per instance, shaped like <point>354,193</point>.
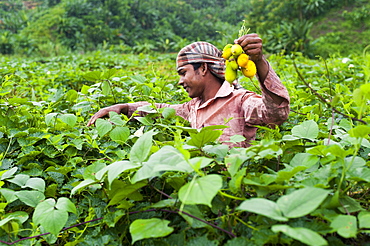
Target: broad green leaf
<point>50,118</point>
<point>360,131</point>
<point>307,129</point>
<point>345,225</point>
<point>109,73</point>
<point>206,135</point>
<point>8,194</point>
<point>18,215</point>
<point>149,228</point>
<point>115,169</point>
<point>65,204</point>
<point>201,190</point>
<point>287,173</point>
<point>69,119</point>
<point>91,170</point>
<point>301,202</point>
<point>106,88</point>
<point>263,207</point>
<point>83,184</point>
<point>168,156</point>
<point>93,76</point>
<point>301,234</point>
<point>141,149</point>
<point>9,173</point>
<point>195,211</point>
<point>120,193</point>
<point>48,216</point>
<point>36,184</point>
<point>304,159</point>
<point>103,127</point>
<point>30,197</point>
<point>71,95</point>
<point>20,179</point>
<point>168,113</point>
<point>120,134</point>
<point>116,119</point>
<point>364,219</point>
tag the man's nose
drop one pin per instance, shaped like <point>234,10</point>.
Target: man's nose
<point>180,81</point>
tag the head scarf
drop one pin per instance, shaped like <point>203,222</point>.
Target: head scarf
<point>200,52</point>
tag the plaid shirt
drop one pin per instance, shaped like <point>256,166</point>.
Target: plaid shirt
<point>245,108</point>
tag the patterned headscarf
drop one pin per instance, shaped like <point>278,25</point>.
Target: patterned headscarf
<point>200,52</point>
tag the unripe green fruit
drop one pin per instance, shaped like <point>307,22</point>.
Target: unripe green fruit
<point>236,50</point>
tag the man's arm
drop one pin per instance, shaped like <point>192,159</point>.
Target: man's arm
<point>104,112</point>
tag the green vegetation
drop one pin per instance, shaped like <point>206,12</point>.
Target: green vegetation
<point>153,180</point>
<point>56,27</point>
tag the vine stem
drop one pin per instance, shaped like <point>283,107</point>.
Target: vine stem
<point>177,211</point>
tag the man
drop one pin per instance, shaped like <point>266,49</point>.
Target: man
<point>214,101</point>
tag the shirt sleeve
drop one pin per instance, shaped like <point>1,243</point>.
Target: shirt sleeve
<point>263,109</point>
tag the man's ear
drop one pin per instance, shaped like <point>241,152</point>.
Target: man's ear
<point>204,68</point>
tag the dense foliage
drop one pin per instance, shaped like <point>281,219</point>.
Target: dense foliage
<point>153,180</point>
<point>55,27</point>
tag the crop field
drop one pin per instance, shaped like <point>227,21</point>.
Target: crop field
<point>153,180</point>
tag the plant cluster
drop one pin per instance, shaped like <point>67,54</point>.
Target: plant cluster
<point>152,180</point>
<point>56,27</point>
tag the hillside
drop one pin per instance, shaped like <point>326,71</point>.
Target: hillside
<point>57,27</point>
<point>343,31</point>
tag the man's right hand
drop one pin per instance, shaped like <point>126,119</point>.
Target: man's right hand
<point>104,112</point>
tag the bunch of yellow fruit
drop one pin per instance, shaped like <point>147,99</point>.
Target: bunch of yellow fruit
<point>236,60</point>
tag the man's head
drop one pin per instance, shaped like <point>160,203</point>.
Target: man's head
<point>202,52</point>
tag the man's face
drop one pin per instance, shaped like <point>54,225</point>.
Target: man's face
<point>191,80</point>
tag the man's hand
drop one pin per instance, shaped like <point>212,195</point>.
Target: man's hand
<point>104,112</point>
<point>252,46</point>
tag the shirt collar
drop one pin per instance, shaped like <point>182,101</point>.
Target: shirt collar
<point>224,91</point>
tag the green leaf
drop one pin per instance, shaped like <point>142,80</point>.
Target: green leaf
<point>106,88</point>
<point>69,119</point>
<point>20,179</point>
<point>48,216</point>
<point>141,149</point>
<point>65,204</point>
<point>287,173</point>
<point>304,159</point>
<point>121,192</point>
<point>149,228</point>
<point>168,113</point>
<point>116,119</point>
<point>345,225</point>
<point>83,184</point>
<point>103,127</point>
<point>9,173</point>
<point>110,73</point>
<point>115,169</point>
<point>364,219</point>
<point>201,190</point>
<point>301,234</point>
<point>206,135</point>
<point>92,76</point>
<point>360,131</point>
<point>30,197</point>
<point>18,215</point>
<point>263,207</point>
<point>301,202</point>
<point>307,129</point>
<point>8,194</point>
<point>36,184</point>
<point>120,134</point>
